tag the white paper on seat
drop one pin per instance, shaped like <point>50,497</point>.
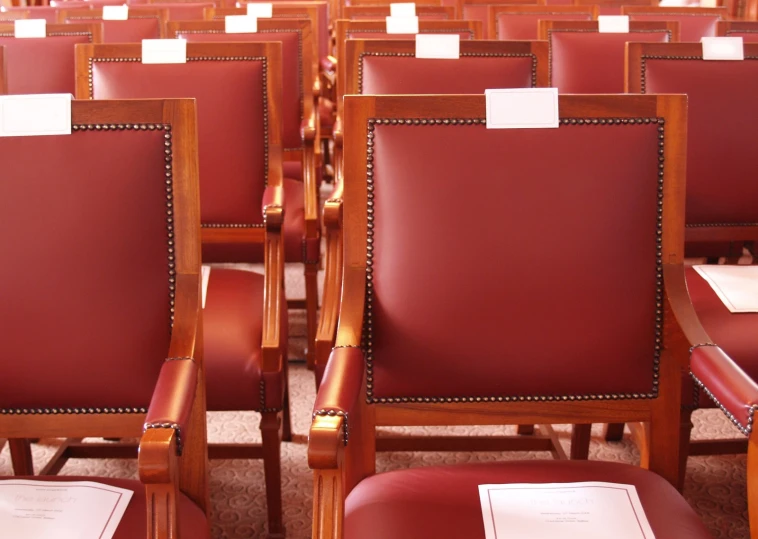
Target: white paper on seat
<point>673,3</point>
<point>403,9</point>
<point>35,115</point>
<point>722,48</point>
<point>30,28</point>
<point>591,510</point>
<point>736,286</point>
<point>260,10</point>
<point>164,51</point>
<point>206,276</point>
<point>60,509</point>
<point>115,13</point>
<point>446,46</point>
<point>240,24</point>
<point>522,108</point>
<point>709,3</point>
<point>613,24</point>
<point>402,25</point>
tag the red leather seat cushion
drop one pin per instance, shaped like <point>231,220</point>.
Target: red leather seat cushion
<point>443,502</point>
<point>232,332</point>
<point>192,521</point>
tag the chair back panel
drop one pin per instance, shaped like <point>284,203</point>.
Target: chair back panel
<point>44,65</point>
<point>723,125</point>
<point>747,30</point>
<point>232,117</point>
<point>178,11</point>
<point>461,303</point>
<point>479,12</point>
<point>613,7</point>
<point>582,60</point>
<point>520,25</point>
<point>141,24</point>
<point>88,299</point>
<point>370,13</point>
<point>694,23</point>
<point>50,14</point>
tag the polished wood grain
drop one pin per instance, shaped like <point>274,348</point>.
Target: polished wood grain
<point>379,12</point>
<point>66,16</point>
<point>496,10</point>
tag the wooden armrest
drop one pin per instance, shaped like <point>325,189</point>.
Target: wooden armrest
<point>273,284</point>
<point>273,206</point>
<point>308,134</point>
<point>726,384</point>
<point>316,89</point>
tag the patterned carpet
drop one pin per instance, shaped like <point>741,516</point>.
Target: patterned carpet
<point>715,485</point>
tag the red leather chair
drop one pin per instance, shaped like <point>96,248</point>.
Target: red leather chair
<point>302,230</point>
<point>478,10</point>
<point>582,60</point>
<point>106,353</point>
<point>520,22</point>
<point>237,87</point>
<point>45,66</point>
<point>433,354</point>
<point>613,7</point>
<point>370,13</point>
<point>339,13</point>
<point>694,22</point>
<point>747,30</point>
<point>50,14</point>
<point>177,11</point>
<point>143,23</point>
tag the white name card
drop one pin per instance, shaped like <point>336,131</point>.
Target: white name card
<point>446,46</point>
<point>709,3</point>
<point>673,3</point>
<point>35,115</point>
<point>206,276</point>
<point>402,25</point>
<point>30,28</point>
<point>115,13</point>
<point>164,51</point>
<point>722,48</point>
<point>240,24</point>
<point>613,24</point>
<point>260,10</point>
<point>403,9</point>
<point>522,108</point>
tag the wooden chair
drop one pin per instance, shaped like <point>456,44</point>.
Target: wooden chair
<point>144,23</point>
<point>177,11</point>
<point>520,22</point>
<point>613,7</point>
<point>347,3</point>
<point>9,16</point>
<point>460,349</point>
<point>302,229</point>
<point>478,10</point>
<point>357,13</point>
<point>238,90</point>
<point>50,14</point>
<point>747,30</point>
<point>694,22</point>
<point>111,354</point>
<point>45,66</point>
<point>582,60</point>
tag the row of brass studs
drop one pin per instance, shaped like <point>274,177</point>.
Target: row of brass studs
<point>468,31</point>
<point>54,34</point>
<point>645,57</point>
<point>177,430</point>
<point>744,429</point>
<point>71,411</point>
<point>75,18</point>
<point>744,31</point>
<point>368,324</point>
<point>185,358</point>
<point>262,408</point>
<point>463,55</point>
<point>336,413</point>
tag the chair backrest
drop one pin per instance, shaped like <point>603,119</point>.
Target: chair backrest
<point>369,13</point>
<point>722,194</point>
<point>471,328</point>
<point>520,22</point>
<point>295,36</point>
<point>117,200</point>
<point>45,65</point>
<point>6,16</point>
<point>238,91</point>
<point>583,60</point>
<point>390,67</point>
<point>144,23</point>
<point>177,11</point>
<point>346,3</point>
<point>478,10</point>
<point>747,30</point>
<point>50,14</point>
<point>613,7</point>
<point>694,22</point>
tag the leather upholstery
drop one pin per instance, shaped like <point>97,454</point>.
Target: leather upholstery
<point>132,30</point>
<point>443,502</point>
<point>341,383</point>
<point>402,75</point>
<point>417,339</point>
<point>180,11</point>
<point>41,66</point>
<point>291,69</point>
<point>591,62</point>
<point>174,393</point>
<point>230,125</point>
<point>691,27</point>
<point>232,331</point>
<point>191,519</point>
<point>722,124</point>
<point>76,320</point>
<point>478,12</point>
<point>523,26</point>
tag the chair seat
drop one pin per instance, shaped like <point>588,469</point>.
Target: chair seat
<point>133,525</point>
<point>443,502</point>
<point>735,333</point>
<point>232,334</point>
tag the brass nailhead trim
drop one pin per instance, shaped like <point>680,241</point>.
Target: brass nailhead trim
<point>468,31</point>
<point>463,55</point>
<point>368,327</point>
<point>71,411</point>
<point>55,34</point>
<point>336,413</point>
<point>156,17</point>
<point>185,358</point>
<point>745,31</point>
<point>262,408</point>
<point>177,431</point>
<point>744,429</point>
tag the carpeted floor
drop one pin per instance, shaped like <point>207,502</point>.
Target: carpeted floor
<point>715,485</point>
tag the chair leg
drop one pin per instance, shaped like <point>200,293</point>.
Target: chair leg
<point>526,430</point>
<point>270,433</point>
<point>614,432</point>
<point>21,456</point>
<point>311,306</point>
<point>684,444</point>
<point>580,441</point>
<point>286,418</point>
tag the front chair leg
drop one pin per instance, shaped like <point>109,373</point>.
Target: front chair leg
<point>311,306</point>
<point>614,432</point>
<point>21,456</point>
<point>270,425</point>
<point>580,441</point>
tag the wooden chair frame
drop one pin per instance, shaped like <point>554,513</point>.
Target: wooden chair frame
<point>380,12</point>
<point>726,28</point>
<point>94,14</point>
<point>614,3</point>
<point>305,154</point>
<point>14,15</point>
<point>495,10</point>
<point>461,7</point>
<point>3,72</point>
<point>341,5</point>
<point>94,31</point>
<point>161,469</point>
<point>339,462</point>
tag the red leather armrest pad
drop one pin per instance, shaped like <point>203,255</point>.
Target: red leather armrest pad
<point>342,382</point>
<point>174,394</point>
<point>328,63</point>
<point>726,383</point>
<point>273,196</point>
